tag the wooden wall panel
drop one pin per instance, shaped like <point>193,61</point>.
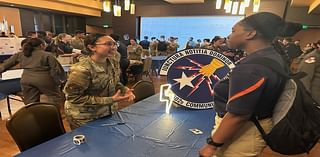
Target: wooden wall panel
<point>12,15</point>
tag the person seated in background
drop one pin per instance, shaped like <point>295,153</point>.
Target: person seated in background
<point>12,35</point>
<point>32,34</point>
<point>134,50</point>
<point>42,73</point>
<point>206,44</point>
<point>154,46</point>
<point>50,42</point>
<point>63,45</point>
<point>216,43</point>
<point>77,40</point>
<point>93,88</point>
<point>3,34</point>
<point>124,61</point>
<point>134,55</point>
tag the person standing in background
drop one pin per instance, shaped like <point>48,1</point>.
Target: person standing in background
<point>162,46</point>
<point>145,45</point>
<point>172,46</point>
<point>42,73</point>
<point>206,44</point>
<point>198,45</point>
<point>191,44</point>
<point>154,46</point>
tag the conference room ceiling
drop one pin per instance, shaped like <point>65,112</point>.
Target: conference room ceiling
<point>184,1</point>
<point>313,5</point>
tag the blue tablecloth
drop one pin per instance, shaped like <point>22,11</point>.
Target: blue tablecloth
<point>9,86</point>
<point>4,57</point>
<point>147,132</point>
<point>157,61</point>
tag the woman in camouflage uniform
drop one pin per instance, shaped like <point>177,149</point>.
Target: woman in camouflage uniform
<point>93,87</point>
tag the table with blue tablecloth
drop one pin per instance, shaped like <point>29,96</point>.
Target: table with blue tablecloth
<point>157,61</point>
<point>142,129</point>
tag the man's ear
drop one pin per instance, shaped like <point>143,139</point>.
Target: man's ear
<point>251,34</point>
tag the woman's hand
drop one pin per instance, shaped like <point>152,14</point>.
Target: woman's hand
<point>129,92</point>
<point>207,151</point>
<point>120,97</point>
<point>126,96</point>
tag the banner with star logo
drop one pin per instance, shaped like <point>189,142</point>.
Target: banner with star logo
<point>192,74</point>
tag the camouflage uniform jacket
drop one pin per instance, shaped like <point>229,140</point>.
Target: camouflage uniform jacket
<point>311,66</point>
<point>77,43</point>
<point>134,52</point>
<point>172,48</point>
<point>90,88</point>
<point>153,48</point>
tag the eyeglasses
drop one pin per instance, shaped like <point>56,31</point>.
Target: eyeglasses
<point>108,43</point>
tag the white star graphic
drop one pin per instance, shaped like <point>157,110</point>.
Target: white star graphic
<point>185,81</point>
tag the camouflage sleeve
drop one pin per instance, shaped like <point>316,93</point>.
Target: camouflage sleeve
<point>12,61</point>
<point>76,86</point>
<point>139,50</point>
<point>121,87</point>
<point>56,70</point>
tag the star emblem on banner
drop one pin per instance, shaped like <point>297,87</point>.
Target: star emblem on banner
<point>185,81</point>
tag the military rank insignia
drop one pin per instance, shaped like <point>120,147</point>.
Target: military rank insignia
<point>192,74</point>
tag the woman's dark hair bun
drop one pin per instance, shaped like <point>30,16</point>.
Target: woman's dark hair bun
<point>270,25</point>
<point>30,45</point>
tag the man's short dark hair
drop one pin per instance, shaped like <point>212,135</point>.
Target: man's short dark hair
<point>79,32</point>
<point>30,33</point>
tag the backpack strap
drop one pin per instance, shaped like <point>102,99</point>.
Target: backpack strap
<point>276,67</point>
<point>259,127</point>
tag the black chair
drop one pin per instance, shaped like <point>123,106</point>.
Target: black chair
<point>34,124</point>
<point>9,88</point>
<point>143,89</point>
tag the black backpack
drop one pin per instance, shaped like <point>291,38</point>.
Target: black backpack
<point>296,116</point>
<point>162,46</point>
